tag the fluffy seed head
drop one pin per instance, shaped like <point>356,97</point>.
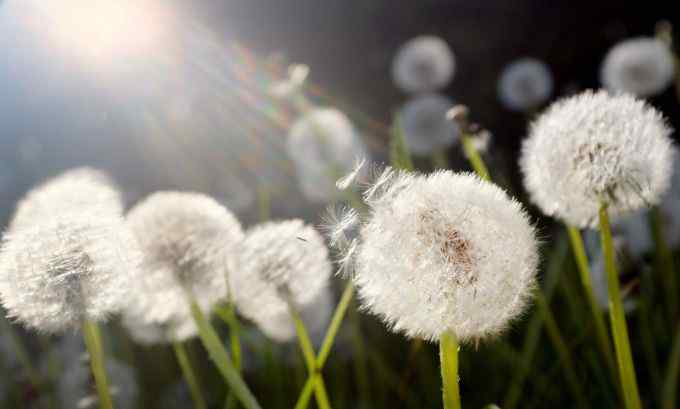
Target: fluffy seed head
<point>425,125</point>
<point>175,329</point>
<point>73,190</point>
<point>423,64</point>
<point>323,145</point>
<point>642,66</point>
<point>188,240</point>
<point>594,148</point>
<point>280,262</point>
<point>525,84</point>
<point>445,252</point>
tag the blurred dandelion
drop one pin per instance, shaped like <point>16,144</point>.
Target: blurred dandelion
<point>423,64</point>
<point>525,84</point>
<point>594,147</point>
<point>642,66</point>
<point>425,126</point>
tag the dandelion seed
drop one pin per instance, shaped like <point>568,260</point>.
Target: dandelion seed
<point>323,145</point>
<point>189,241</point>
<point>57,274</point>
<point>525,84</point>
<point>340,224</point>
<point>643,66</point>
<point>351,178</point>
<point>423,64</point>
<point>594,148</point>
<point>425,125</point>
<point>275,269</point>
<point>445,252</point>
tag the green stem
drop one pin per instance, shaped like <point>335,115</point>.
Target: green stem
<point>670,387</point>
<point>189,375</point>
<point>604,344</point>
<point>562,349</point>
<point>308,353</point>
<point>664,262</point>
<point>474,157</point>
<point>448,354</point>
<point>624,355</point>
<point>93,342</point>
<point>326,345</point>
<point>228,314</point>
<point>220,357</point>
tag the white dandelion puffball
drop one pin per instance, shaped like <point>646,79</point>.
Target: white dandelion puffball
<point>423,64</point>
<point>59,273</point>
<point>525,84</point>
<point>315,316</point>
<point>425,125</point>
<point>593,148</point>
<point>445,252</point>
<point>175,329</point>
<point>323,145</point>
<point>71,191</point>
<point>643,66</point>
<point>188,241</point>
<point>279,263</point>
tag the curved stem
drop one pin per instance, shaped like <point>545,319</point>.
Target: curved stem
<point>189,375</point>
<point>448,354</point>
<point>624,355</point>
<point>93,342</point>
<point>474,157</point>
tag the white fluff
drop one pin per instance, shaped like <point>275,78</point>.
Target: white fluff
<point>425,125</point>
<point>188,240</point>
<point>176,329</point>
<point>445,252</point>
<point>323,145</point>
<point>280,262</point>
<point>423,64</point>
<point>525,84</point>
<point>595,147</point>
<point>643,66</point>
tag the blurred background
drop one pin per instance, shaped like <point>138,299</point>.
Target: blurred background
<point>179,97</point>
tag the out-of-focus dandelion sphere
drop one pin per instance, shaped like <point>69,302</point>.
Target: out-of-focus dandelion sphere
<point>423,64</point>
<point>593,148</point>
<point>445,252</point>
<point>315,316</point>
<point>642,66</point>
<point>323,144</point>
<point>525,84</point>
<point>425,125</point>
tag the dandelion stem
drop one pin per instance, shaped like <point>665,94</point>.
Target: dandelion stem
<point>326,345</point>
<point>189,375</point>
<point>670,387</point>
<point>604,342</point>
<point>220,357</point>
<point>448,354</point>
<point>400,157</point>
<point>664,262</point>
<point>93,342</point>
<point>624,355</point>
<point>474,157</point>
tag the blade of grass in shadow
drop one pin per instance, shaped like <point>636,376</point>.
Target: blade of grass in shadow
<point>189,375</point>
<point>671,385</point>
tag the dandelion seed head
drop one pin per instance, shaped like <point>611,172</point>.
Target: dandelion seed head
<point>175,329</point>
<point>189,241</point>
<point>275,268</point>
<point>445,252</point>
<point>58,273</point>
<point>642,66</point>
<point>425,125</point>
<point>323,145</point>
<point>73,190</point>
<point>594,147</point>
<point>525,84</point>
<point>423,64</point>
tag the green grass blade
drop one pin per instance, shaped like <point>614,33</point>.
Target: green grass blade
<point>400,158</point>
<point>671,386</point>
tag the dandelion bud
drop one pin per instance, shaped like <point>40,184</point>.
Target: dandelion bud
<point>280,263</point>
<point>594,148</point>
<point>323,145</point>
<point>525,84</point>
<point>423,64</point>
<point>425,124</point>
<point>445,252</point>
<point>642,66</point>
<point>188,240</point>
<point>57,274</point>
